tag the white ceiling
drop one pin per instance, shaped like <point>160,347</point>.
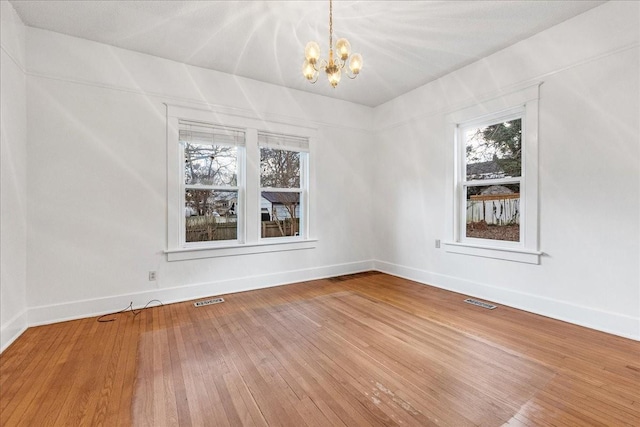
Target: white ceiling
<point>405,44</point>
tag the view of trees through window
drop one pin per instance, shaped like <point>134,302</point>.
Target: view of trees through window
<point>279,168</point>
<point>492,185</point>
<point>280,192</point>
<point>211,196</point>
<point>235,186</point>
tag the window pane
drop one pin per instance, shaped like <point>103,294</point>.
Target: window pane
<point>494,151</point>
<point>280,214</point>
<point>279,168</point>
<point>210,164</point>
<point>210,215</point>
<point>493,212</point>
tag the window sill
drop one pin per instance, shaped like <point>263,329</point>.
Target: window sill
<point>183,254</point>
<point>508,254</point>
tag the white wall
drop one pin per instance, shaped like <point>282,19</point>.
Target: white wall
<point>96,182</point>
<point>589,160</point>
<point>98,185</point>
<point>13,191</point>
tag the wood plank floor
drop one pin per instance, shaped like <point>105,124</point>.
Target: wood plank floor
<point>361,350</point>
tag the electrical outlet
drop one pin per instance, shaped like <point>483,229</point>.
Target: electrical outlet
<point>152,276</point>
<point>437,243</point>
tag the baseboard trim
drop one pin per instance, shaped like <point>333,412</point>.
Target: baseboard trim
<point>612,323</point>
<point>55,313</point>
<point>13,329</point>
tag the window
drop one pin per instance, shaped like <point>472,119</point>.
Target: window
<point>494,179</point>
<point>236,185</point>
<point>212,182</point>
<point>491,179</point>
<point>283,161</point>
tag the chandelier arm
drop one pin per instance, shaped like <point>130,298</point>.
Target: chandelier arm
<point>351,76</point>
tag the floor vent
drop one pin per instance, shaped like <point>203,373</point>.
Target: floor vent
<point>208,302</point>
<point>480,303</point>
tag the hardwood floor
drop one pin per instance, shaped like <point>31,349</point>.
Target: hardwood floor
<point>361,350</point>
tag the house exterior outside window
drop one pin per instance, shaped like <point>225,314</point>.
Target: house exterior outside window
<point>213,182</point>
<point>490,178</point>
<point>283,184</point>
<point>236,185</point>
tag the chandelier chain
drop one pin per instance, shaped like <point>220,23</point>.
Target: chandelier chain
<point>330,25</point>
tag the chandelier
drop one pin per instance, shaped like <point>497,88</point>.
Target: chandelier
<point>333,67</point>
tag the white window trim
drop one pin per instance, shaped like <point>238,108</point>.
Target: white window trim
<point>461,213</point>
<point>239,189</point>
<point>232,250</point>
<point>303,225</point>
<point>527,250</point>
<point>249,241</point>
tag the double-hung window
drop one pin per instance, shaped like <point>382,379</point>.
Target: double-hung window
<point>213,181</point>
<point>492,206</point>
<point>236,184</point>
<point>283,184</point>
<point>490,179</point>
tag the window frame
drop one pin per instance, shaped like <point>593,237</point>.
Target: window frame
<point>303,189</point>
<point>249,240</point>
<point>239,188</point>
<point>462,183</point>
<point>518,103</point>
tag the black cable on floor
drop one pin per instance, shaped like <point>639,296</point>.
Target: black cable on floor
<point>127,308</point>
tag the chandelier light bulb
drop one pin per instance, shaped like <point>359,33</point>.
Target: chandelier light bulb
<point>312,52</point>
<point>333,74</point>
<point>307,70</point>
<point>343,49</point>
<point>355,63</point>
